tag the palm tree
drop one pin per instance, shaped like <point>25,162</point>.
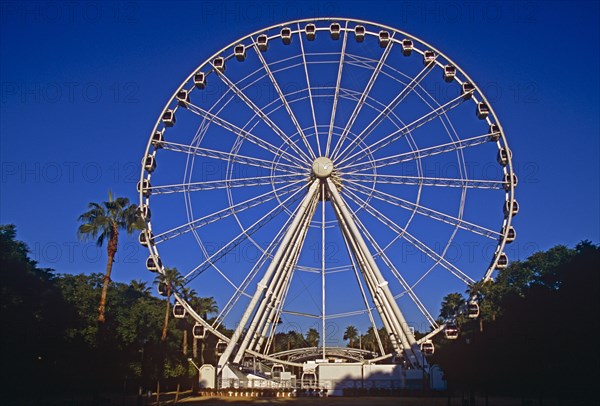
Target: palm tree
<point>103,222</point>
<point>205,306</point>
<point>485,292</point>
<point>351,334</point>
<point>450,305</point>
<point>139,287</point>
<point>369,340</point>
<point>312,337</point>
<point>295,340</point>
<point>170,280</point>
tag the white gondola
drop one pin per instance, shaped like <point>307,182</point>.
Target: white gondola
<point>286,35</point>
<point>451,332</point>
<point>449,73</point>
<point>143,186</point>
<point>384,38</point>
<point>407,47</point>
<point>510,180</point>
<point>277,370</point>
<point>146,238</point>
<point>308,380</point>
<point>220,347</point>
<point>263,42</point>
<point>178,311</point>
<point>511,234</point>
<point>153,264</point>
<point>428,58</point>
<point>504,154</point>
<point>467,90</point>
<point>162,289</point>
<point>198,331</point>
<point>158,139</point>
<point>502,261</point>
<point>169,118</point>
<point>359,33</point>
<point>494,132</point>
<point>200,80</point>
<point>483,110</point>
<point>240,52</point>
<point>219,64</point>
<point>427,347</point>
<point>334,30</point>
<point>511,208</point>
<point>144,212</point>
<point>149,163</point>
<point>311,32</point>
<point>472,310</point>
<point>183,98</point>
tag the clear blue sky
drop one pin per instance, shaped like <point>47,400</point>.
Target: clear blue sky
<point>83,83</point>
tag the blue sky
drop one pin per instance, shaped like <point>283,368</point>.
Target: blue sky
<point>83,83</point>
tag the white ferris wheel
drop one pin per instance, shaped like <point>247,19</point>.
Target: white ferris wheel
<point>324,173</point>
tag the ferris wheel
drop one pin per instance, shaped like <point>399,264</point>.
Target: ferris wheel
<point>324,173</point>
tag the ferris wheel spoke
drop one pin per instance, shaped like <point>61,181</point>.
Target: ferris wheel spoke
<point>229,157</point>
<point>265,118</point>
<point>407,288</point>
<point>363,294</point>
<point>416,154</point>
<point>226,184</point>
<point>266,254</point>
<point>274,270</point>
<point>410,238</point>
<point>223,213</point>
<point>266,324</point>
<point>337,91</point>
<point>245,234</point>
<point>394,322</point>
<point>361,100</point>
<point>310,96</point>
<point>425,211</point>
<point>390,107</point>
<point>388,139</point>
<point>279,286</point>
<point>427,181</point>
<point>323,268</point>
<point>283,99</point>
<point>278,152</point>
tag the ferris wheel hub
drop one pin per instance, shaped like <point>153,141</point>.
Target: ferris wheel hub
<point>322,167</point>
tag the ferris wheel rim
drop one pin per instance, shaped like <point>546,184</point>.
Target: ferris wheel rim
<point>508,168</point>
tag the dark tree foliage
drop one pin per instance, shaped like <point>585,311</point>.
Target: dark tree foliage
<point>50,342</point>
<point>539,338</point>
<point>30,300</point>
<point>543,341</point>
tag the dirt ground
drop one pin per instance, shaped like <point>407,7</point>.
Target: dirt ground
<point>377,401</point>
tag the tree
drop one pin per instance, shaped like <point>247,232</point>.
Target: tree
<point>33,316</point>
<point>189,295</point>
<point>484,294</point>
<point>139,287</point>
<point>450,305</point>
<point>168,281</point>
<point>369,340</point>
<point>536,309</point>
<point>350,334</point>
<point>312,337</point>
<point>204,306</point>
<point>103,222</point>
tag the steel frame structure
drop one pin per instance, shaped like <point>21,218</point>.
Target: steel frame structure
<point>317,165</point>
